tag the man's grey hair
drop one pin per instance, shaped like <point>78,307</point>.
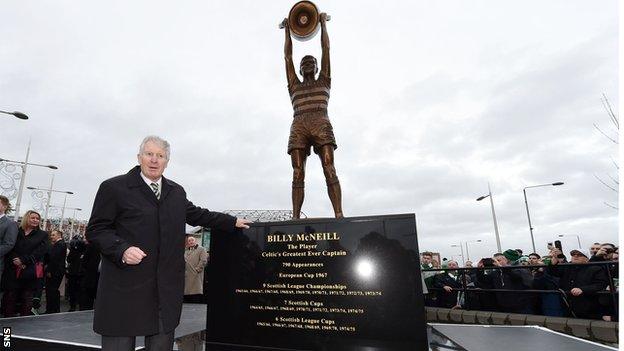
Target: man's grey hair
<point>158,141</point>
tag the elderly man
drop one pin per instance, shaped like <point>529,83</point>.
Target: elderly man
<point>138,224</point>
<point>196,258</point>
<point>581,283</point>
<point>451,283</point>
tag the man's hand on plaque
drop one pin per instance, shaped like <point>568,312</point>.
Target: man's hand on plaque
<point>242,223</point>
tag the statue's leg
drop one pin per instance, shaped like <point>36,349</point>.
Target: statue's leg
<point>298,160</point>
<point>333,185</point>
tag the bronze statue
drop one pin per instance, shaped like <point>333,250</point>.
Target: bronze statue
<point>311,126</point>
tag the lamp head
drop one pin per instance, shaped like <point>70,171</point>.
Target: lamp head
<point>19,115</point>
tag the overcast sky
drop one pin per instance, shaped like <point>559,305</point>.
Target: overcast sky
<point>430,100</point>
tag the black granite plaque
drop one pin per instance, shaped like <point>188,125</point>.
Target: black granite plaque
<point>318,284</point>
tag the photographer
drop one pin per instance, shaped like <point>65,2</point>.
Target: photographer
<point>513,279</point>
<point>550,303</point>
<point>484,301</point>
<point>581,283</point>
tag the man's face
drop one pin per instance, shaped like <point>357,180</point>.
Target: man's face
<point>190,241</point>
<point>426,259</point>
<point>153,161</point>
<point>502,260</point>
<point>594,248</point>
<point>452,265</point>
<point>468,264</point>
<point>308,66</point>
<point>3,208</point>
<point>578,258</point>
<point>533,260</point>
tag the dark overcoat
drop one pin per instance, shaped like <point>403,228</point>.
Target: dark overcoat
<point>132,298</point>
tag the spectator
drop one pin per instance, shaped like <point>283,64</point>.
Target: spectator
<point>90,272</point>
<point>55,270</point>
<point>196,258</point>
<point>468,264</point>
<point>24,265</point>
<point>519,251</point>
<point>450,283</point>
<point>483,279</point>
<point>513,279</point>
<point>581,283</point>
<point>550,303</point>
<point>534,259</point>
<point>426,264</point>
<point>8,231</point>
<point>605,253</point>
<point>594,249</point>
<point>77,249</point>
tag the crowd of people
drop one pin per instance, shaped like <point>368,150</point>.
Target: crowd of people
<point>34,262</point>
<point>550,285</point>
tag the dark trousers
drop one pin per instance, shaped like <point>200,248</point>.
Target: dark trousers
<point>10,299</point>
<point>198,298</point>
<point>53,295</point>
<point>73,290</point>
<point>157,342</point>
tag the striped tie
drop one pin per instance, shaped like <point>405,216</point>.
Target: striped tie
<point>155,190</point>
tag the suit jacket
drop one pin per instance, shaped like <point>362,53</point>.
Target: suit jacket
<point>132,298</point>
<point>8,236</point>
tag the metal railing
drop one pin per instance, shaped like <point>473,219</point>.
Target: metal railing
<point>462,272</point>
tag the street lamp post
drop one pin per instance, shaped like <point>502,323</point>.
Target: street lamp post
<point>74,219</point>
<point>71,227</point>
<point>475,241</point>
<point>17,114</point>
<point>498,244</point>
<point>526,203</point>
<point>24,166</point>
<point>578,238</point>
<point>461,247</point>
<point>50,191</point>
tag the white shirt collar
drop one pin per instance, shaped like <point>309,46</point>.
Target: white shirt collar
<point>149,181</point>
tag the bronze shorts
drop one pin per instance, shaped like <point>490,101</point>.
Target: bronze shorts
<point>311,129</point>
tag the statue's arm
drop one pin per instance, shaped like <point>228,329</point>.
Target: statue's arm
<point>290,67</point>
<point>325,69</point>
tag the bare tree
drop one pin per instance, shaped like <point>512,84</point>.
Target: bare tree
<point>612,134</point>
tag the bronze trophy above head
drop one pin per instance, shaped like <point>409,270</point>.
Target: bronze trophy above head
<point>310,127</point>
<point>304,20</point>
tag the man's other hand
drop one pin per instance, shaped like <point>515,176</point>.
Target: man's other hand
<point>133,255</point>
<point>242,223</point>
